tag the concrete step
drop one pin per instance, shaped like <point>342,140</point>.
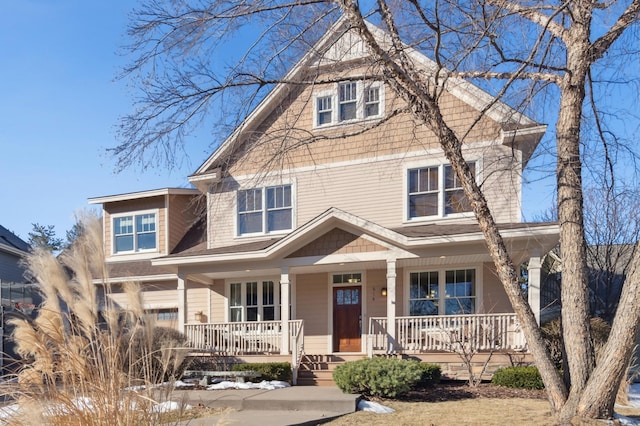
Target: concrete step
<point>317,370</point>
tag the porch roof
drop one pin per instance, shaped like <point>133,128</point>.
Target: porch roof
<point>403,239</point>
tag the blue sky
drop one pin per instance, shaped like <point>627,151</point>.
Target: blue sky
<point>59,107</point>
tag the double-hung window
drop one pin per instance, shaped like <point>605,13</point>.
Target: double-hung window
<point>324,110</point>
<point>135,233</point>
<point>347,99</point>
<point>265,210</point>
<point>435,191</point>
<point>372,102</point>
<point>254,301</point>
<point>443,292</point>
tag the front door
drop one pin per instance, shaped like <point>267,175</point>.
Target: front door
<point>347,319</point>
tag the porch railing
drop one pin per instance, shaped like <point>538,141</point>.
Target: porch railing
<point>448,333</point>
<point>243,338</point>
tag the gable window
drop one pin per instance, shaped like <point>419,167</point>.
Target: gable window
<point>348,102</point>
<point>323,105</point>
<point>436,191</point>
<point>254,301</point>
<point>134,233</point>
<point>449,292</point>
<point>265,210</point>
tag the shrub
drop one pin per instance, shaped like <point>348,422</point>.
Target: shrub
<point>431,374</point>
<point>381,377</point>
<point>269,370</point>
<point>552,334</point>
<point>518,377</point>
<point>158,358</point>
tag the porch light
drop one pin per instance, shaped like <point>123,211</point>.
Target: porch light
<point>383,292</point>
<point>199,316</point>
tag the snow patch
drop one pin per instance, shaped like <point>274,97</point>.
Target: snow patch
<point>263,385</point>
<point>374,407</point>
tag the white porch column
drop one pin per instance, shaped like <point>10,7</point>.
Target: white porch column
<point>285,286</point>
<point>391,305</point>
<point>534,286</point>
<point>182,303</point>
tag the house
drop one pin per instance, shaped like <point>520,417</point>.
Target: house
<point>17,295</point>
<point>334,228</point>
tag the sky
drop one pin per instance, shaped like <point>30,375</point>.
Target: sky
<point>59,108</point>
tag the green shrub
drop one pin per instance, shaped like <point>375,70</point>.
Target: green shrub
<point>518,377</point>
<point>381,377</point>
<point>268,370</point>
<point>431,374</point>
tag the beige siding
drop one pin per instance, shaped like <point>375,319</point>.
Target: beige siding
<point>312,295</point>
<point>197,301</point>
<point>495,299</point>
<point>218,301</point>
<point>154,295</point>
<point>181,217</point>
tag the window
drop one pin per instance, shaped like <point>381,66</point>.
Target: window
<point>450,292</point>
<point>372,102</point>
<point>265,210</point>
<point>324,110</point>
<point>349,101</point>
<point>253,301</point>
<point>134,233</point>
<point>429,195</point>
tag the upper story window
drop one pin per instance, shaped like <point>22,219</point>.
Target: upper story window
<point>135,233</point>
<point>436,191</point>
<point>265,210</point>
<point>350,101</point>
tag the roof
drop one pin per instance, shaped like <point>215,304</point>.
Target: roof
<point>12,243</point>
<point>513,123</point>
<point>136,270</point>
<point>143,194</point>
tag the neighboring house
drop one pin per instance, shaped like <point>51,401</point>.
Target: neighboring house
<point>358,243</point>
<point>17,294</point>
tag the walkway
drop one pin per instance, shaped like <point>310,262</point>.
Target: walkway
<point>289,406</point>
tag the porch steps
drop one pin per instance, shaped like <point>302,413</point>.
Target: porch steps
<point>317,370</point>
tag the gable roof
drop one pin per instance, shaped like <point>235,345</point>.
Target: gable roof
<point>11,243</point>
<point>514,124</point>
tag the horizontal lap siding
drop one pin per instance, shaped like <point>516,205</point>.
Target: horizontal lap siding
<point>132,206</point>
<point>312,294</point>
<point>197,295</point>
<point>495,299</point>
<point>181,217</point>
<point>218,301</point>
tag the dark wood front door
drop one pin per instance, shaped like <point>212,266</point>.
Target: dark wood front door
<point>347,317</point>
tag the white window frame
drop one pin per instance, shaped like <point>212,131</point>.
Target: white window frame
<point>260,298</point>
<point>362,87</point>
<point>264,211</point>
<point>134,215</point>
<point>442,278</point>
<point>441,191</point>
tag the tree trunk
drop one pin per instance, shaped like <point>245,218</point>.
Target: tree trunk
<point>611,368</point>
<point>575,289</point>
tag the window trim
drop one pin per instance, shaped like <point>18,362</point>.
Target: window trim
<point>265,210</point>
<point>440,164</point>
<point>133,215</point>
<point>259,295</point>
<point>442,270</point>
<point>362,86</point>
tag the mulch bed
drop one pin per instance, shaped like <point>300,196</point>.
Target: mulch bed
<point>453,391</point>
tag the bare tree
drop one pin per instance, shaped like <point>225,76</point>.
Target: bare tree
<point>523,48</point>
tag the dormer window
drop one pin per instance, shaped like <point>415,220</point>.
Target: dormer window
<point>135,233</point>
<point>349,102</point>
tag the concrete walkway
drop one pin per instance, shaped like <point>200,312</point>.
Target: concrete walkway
<point>296,405</point>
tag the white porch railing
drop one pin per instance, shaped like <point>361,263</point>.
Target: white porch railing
<point>244,338</point>
<point>447,333</point>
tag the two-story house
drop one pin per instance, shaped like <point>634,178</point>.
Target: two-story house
<point>334,224</point>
